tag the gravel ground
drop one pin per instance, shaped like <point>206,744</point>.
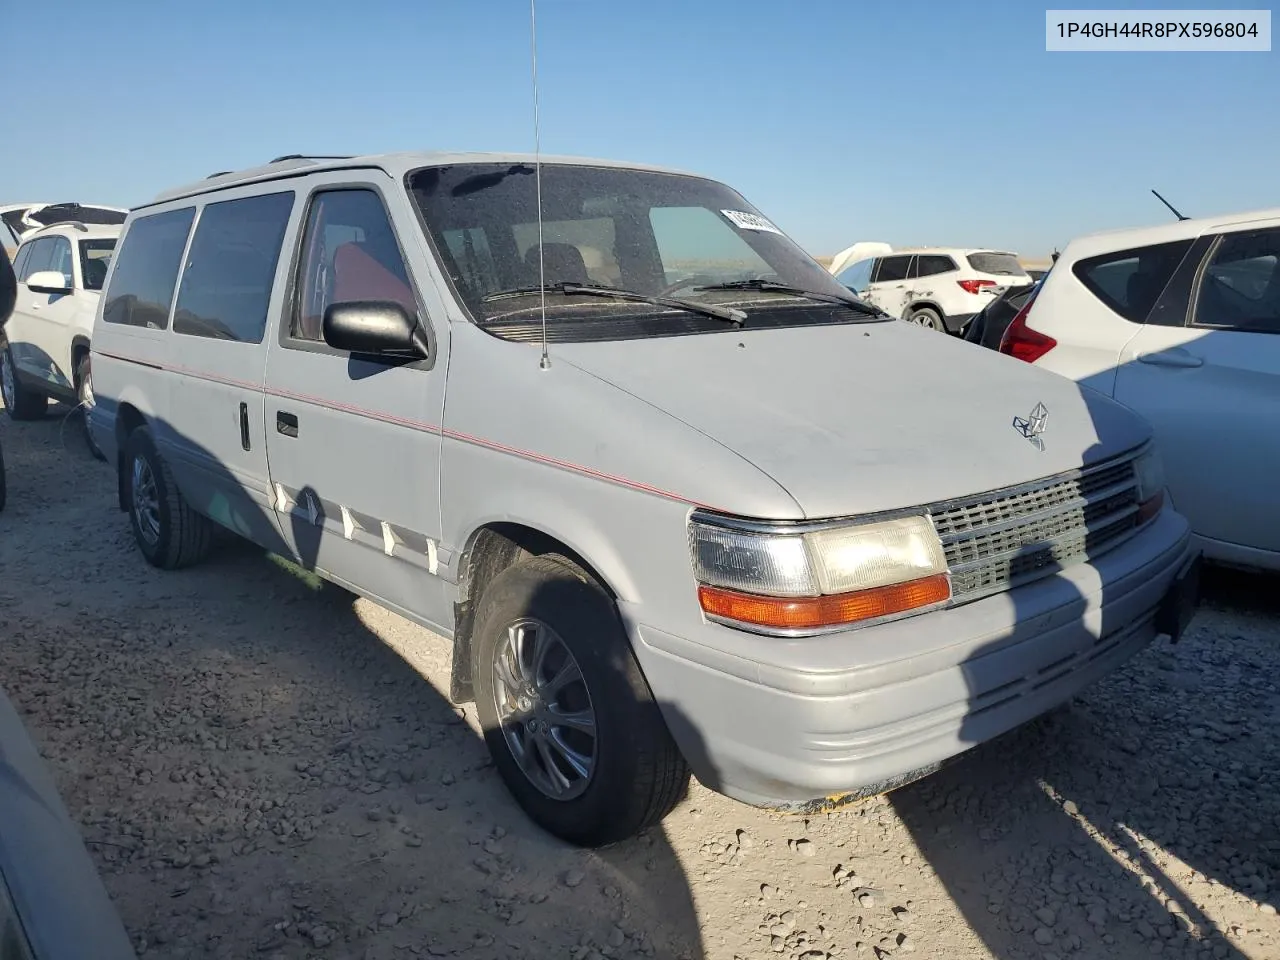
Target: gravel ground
<point>263,767</point>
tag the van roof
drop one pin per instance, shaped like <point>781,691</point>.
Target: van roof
<point>396,165</point>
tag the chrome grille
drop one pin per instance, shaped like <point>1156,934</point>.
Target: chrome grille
<point>1001,539</point>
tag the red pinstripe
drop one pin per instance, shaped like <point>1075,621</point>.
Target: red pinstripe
<point>415,425</point>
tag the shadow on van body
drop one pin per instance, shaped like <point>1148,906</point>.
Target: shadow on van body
<point>1055,839</point>
<point>289,735</point>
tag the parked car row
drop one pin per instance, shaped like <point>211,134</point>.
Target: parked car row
<point>941,288</point>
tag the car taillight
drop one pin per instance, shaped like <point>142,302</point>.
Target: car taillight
<point>973,286</point>
<point>1021,341</point>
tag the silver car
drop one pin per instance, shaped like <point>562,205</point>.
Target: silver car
<point>679,499</point>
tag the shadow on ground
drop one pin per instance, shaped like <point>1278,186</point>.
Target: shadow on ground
<point>261,768</point>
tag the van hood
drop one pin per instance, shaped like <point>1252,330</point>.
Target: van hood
<point>863,417</point>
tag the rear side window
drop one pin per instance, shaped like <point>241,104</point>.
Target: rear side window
<point>1001,264</point>
<point>931,265</point>
<point>95,258</point>
<point>1241,285</point>
<point>1130,281</point>
<point>147,270</point>
<point>230,270</point>
<point>893,268</point>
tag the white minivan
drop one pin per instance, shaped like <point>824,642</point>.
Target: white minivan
<point>679,499</point>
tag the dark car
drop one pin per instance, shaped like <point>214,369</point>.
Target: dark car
<point>990,323</point>
<point>8,296</point>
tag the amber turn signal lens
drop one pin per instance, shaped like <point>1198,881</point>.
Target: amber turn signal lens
<point>808,613</point>
<point>1149,508</point>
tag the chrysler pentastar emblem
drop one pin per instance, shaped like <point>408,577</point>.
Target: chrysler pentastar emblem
<point>1032,426</point>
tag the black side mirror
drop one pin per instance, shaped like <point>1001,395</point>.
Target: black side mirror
<point>375,327</point>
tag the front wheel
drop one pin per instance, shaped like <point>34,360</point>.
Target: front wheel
<point>84,393</point>
<point>168,532</point>
<point>567,714</point>
<point>21,403</point>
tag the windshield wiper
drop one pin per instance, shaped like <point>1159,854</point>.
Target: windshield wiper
<point>727,314</point>
<point>775,286</point>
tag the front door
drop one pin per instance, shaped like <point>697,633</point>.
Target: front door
<point>888,289</point>
<point>32,331</point>
<point>1211,389</point>
<point>353,443</point>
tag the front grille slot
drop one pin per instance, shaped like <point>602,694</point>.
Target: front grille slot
<point>1009,537</point>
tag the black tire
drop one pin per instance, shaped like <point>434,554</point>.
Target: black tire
<point>927,317</point>
<point>84,393</point>
<point>182,537</point>
<point>638,774</point>
<point>21,402</point>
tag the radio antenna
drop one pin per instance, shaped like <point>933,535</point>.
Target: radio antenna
<point>545,362</point>
<point>1170,206</point>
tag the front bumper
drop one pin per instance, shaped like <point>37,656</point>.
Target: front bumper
<point>794,723</point>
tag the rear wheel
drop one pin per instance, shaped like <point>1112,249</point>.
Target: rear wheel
<point>168,532</point>
<point>21,402</point>
<point>567,715</point>
<point>84,393</point>
<point>927,317</point>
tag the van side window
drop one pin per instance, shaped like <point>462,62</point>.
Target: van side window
<point>147,270</point>
<point>231,268</point>
<point>349,252</point>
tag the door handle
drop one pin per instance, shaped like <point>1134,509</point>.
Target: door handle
<point>286,423</point>
<point>244,425</point>
<point>1171,358</point>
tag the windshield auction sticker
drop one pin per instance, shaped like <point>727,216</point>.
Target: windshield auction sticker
<point>1132,31</point>
<point>749,221</point>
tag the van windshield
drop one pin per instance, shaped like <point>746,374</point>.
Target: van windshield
<point>656,234</point>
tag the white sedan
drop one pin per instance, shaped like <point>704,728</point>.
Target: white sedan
<point>1181,322</point>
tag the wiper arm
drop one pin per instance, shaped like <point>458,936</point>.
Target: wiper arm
<point>728,314</point>
<point>774,286</point>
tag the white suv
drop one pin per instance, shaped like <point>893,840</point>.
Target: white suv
<point>938,287</point>
<point>1181,322</point>
<point>60,271</point>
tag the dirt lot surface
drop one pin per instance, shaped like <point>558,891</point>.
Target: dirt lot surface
<point>267,769</point>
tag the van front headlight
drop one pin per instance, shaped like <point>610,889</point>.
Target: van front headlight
<point>791,580</point>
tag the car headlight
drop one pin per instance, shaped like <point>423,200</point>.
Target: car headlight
<point>777,579</point>
<point>1149,471</point>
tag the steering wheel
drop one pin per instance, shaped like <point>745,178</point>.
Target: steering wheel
<point>695,280</point>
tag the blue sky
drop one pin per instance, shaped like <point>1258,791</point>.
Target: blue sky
<point>910,122</point>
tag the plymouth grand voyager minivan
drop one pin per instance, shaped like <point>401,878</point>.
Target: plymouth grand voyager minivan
<point>680,500</point>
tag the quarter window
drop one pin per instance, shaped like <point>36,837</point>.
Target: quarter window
<point>1241,285</point>
<point>231,268</point>
<point>893,268</point>
<point>349,253</point>
<point>147,270</point>
<point>1130,281</point>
